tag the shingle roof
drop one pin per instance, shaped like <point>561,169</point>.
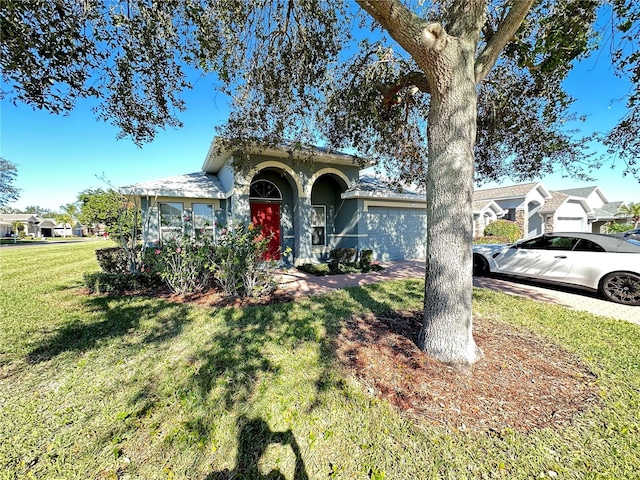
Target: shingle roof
<point>372,186</point>
<point>608,211</point>
<point>579,192</point>
<point>480,205</point>
<point>510,191</point>
<point>556,200</point>
<point>192,185</point>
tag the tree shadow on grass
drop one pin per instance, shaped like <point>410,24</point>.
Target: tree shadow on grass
<point>118,316</point>
<point>231,372</point>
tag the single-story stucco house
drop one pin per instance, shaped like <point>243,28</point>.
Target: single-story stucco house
<point>37,226</point>
<point>310,207</point>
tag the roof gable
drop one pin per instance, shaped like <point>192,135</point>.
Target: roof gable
<point>510,191</point>
<point>192,185</point>
<point>558,199</point>
<point>216,159</point>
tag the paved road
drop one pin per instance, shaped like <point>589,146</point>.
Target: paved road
<point>50,242</point>
<point>301,283</point>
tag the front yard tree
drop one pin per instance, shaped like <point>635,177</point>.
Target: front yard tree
<point>101,207</point>
<point>425,87</point>
<point>8,191</point>
<point>67,217</point>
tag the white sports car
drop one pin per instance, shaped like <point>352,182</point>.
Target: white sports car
<point>603,263</point>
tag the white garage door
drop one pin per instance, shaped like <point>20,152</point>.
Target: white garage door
<point>570,224</point>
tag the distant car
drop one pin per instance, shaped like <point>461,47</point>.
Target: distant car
<point>604,263</point>
<point>632,234</point>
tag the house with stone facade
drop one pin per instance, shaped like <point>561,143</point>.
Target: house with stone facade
<point>538,210</point>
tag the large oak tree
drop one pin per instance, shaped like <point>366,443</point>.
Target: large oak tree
<point>433,90</point>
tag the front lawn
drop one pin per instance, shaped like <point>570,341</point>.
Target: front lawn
<point>136,387</point>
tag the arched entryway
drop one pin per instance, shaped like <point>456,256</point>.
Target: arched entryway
<point>331,217</point>
<point>265,201</point>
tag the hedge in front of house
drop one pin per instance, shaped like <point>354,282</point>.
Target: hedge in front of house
<point>119,283</point>
<point>491,239</point>
<point>504,228</point>
<point>114,259</point>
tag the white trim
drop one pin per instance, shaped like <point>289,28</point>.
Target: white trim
<point>401,197</point>
<point>323,226</point>
<point>327,171</point>
<point>270,163</point>
<point>416,205</point>
<point>349,235</point>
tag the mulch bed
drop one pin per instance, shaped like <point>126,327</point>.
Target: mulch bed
<point>523,383</point>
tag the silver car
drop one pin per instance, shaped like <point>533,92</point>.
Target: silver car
<point>603,263</point>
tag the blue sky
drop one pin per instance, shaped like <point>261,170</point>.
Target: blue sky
<point>60,156</point>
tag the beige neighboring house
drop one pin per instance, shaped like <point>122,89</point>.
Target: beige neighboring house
<point>604,210</point>
<point>484,213</point>
<point>539,210</point>
<point>37,226</point>
<point>519,203</point>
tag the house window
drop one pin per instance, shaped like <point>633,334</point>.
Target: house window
<point>318,225</point>
<point>511,215</point>
<point>264,189</point>
<point>171,220</point>
<point>203,222</point>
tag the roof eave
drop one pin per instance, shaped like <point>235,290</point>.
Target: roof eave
<point>405,197</point>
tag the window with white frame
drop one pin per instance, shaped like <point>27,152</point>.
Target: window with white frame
<point>203,220</point>
<point>171,220</point>
<point>318,225</point>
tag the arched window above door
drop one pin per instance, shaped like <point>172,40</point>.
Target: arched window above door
<point>264,189</point>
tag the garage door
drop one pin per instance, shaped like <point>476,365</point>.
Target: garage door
<point>396,233</point>
<point>569,224</point>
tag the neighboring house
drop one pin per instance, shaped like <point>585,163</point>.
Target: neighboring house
<point>519,203</point>
<point>566,213</point>
<point>539,210</point>
<point>68,230</point>
<point>605,211</point>
<point>310,207</point>
<point>484,213</point>
<point>37,226</point>
<point>5,228</point>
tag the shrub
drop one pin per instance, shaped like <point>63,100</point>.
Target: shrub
<point>119,283</point>
<point>342,255</point>
<point>317,269</point>
<point>239,266</point>
<point>614,227</point>
<point>492,239</point>
<point>184,264</point>
<point>504,228</point>
<point>116,260</point>
<point>366,263</point>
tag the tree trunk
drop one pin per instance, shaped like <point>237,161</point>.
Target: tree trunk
<point>447,331</point>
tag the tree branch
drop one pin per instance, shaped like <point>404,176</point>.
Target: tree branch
<point>503,35</point>
<point>416,79</point>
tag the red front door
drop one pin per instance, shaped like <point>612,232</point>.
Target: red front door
<point>267,215</point>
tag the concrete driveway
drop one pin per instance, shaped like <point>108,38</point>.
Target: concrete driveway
<point>300,283</point>
<point>572,298</point>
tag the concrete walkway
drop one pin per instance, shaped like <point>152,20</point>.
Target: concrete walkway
<point>300,283</point>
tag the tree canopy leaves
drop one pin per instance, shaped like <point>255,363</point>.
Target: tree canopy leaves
<point>325,64</point>
<point>8,174</point>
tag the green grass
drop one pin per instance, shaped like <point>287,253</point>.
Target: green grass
<point>98,387</point>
